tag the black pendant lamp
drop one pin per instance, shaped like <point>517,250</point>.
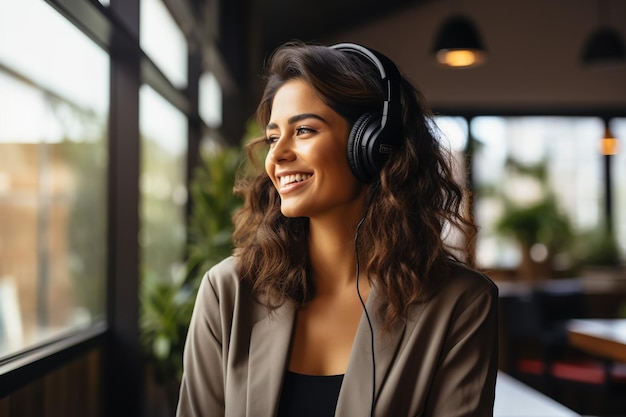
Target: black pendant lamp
<point>605,48</point>
<point>458,44</point>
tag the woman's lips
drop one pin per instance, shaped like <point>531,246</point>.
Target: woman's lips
<point>293,181</point>
<point>292,178</point>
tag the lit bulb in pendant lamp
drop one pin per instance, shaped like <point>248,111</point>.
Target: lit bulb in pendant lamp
<point>609,144</point>
<point>458,44</point>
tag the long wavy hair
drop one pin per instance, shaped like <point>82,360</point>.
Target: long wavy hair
<point>414,203</point>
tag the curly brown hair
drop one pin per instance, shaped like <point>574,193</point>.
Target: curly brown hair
<point>414,202</point>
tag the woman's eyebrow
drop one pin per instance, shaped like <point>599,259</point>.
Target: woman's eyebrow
<point>297,118</point>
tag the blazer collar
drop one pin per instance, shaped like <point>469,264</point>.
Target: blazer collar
<point>355,397</point>
<point>267,361</point>
<point>269,353</point>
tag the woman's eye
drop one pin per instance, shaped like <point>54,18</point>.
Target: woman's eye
<point>303,130</point>
<point>270,140</point>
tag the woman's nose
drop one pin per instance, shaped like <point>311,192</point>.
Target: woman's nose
<point>282,150</point>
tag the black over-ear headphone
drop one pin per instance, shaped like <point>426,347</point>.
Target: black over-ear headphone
<point>374,136</point>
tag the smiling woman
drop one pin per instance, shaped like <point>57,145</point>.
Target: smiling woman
<point>340,270</point>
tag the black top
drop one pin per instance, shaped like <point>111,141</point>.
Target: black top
<point>309,395</point>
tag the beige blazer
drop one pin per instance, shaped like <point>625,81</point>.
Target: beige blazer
<point>442,362</point>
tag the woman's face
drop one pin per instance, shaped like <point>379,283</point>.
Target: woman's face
<point>307,160</point>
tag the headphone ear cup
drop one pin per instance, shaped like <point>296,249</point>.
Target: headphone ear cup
<point>360,144</point>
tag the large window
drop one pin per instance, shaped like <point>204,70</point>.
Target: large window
<point>539,181</point>
<point>98,110</point>
<point>210,100</point>
<point>618,127</point>
<point>53,159</point>
<point>163,149</point>
<point>163,41</point>
<point>540,189</point>
<point>453,132</point>
<point>163,187</point>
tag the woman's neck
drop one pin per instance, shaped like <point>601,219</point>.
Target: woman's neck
<point>332,254</point>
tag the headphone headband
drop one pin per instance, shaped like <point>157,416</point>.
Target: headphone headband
<point>374,136</point>
<point>372,55</point>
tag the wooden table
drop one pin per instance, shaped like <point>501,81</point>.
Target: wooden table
<point>605,338</point>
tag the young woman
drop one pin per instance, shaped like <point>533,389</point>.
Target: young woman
<point>345,296</point>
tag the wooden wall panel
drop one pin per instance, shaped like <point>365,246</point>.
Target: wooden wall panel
<point>72,390</point>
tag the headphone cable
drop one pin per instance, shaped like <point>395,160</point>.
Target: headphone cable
<point>367,316</point>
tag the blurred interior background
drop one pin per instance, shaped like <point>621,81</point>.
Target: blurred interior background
<point>121,125</point>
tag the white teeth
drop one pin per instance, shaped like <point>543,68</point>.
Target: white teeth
<point>288,179</point>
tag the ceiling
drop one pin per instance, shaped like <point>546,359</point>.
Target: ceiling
<point>314,20</point>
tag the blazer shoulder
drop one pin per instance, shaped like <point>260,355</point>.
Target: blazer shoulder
<point>223,276</point>
<point>221,282</point>
<point>463,286</point>
<point>223,286</point>
<point>470,280</point>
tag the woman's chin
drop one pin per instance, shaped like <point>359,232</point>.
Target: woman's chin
<point>289,210</point>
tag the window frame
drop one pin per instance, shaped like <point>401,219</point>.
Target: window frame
<point>115,28</point>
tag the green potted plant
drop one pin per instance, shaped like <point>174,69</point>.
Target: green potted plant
<point>166,307</point>
<point>540,227</point>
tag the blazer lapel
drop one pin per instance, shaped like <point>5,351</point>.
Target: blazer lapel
<point>356,390</point>
<point>269,348</point>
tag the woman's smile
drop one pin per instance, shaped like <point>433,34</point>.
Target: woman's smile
<point>289,181</point>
